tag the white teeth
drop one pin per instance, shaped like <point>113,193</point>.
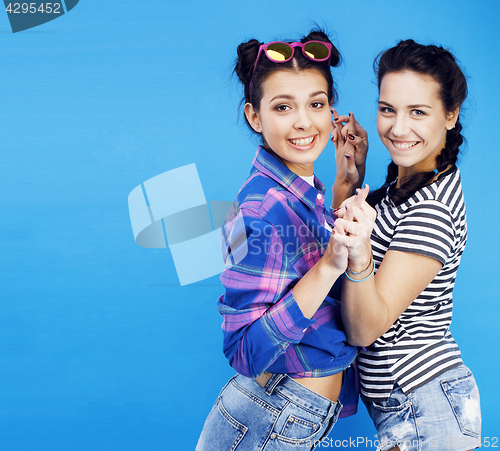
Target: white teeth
<point>302,141</point>
<point>404,145</point>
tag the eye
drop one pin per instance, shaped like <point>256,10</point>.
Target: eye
<point>282,108</point>
<point>385,110</point>
<point>317,105</point>
<point>418,112</point>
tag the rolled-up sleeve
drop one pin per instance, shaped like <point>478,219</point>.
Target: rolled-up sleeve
<point>261,316</point>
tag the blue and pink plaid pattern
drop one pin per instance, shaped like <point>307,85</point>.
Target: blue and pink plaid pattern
<point>272,236</point>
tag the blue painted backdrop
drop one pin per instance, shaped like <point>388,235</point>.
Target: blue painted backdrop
<point>100,347</point>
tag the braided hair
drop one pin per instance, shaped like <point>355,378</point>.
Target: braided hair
<point>442,66</point>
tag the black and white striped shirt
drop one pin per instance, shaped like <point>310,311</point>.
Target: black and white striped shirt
<point>418,347</point>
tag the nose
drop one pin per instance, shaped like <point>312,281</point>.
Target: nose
<point>302,119</point>
<point>400,126</point>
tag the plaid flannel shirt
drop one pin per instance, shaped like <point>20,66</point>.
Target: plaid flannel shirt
<point>272,236</point>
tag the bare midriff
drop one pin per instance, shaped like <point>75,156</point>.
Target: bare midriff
<point>328,386</point>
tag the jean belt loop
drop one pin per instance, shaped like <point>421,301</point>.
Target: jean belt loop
<point>273,381</point>
<point>335,410</point>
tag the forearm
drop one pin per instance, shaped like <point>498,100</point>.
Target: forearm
<point>312,289</point>
<point>255,337</point>
<point>341,190</point>
<point>253,349</point>
<point>263,314</point>
<point>370,307</point>
<point>361,172</point>
<point>364,312</point>
<point>260,346</point>
<point>267,338</point>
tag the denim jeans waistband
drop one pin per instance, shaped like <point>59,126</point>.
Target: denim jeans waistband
<point>285,386</point>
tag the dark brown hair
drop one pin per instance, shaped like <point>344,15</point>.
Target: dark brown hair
<point>247,55</point>
<point>442,66</point>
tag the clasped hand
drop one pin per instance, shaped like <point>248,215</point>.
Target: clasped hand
<point>350,240</point>
<point>351,147</point>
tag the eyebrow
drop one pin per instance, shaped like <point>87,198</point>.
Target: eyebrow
<point>420,105</point>
<point>289,97</point>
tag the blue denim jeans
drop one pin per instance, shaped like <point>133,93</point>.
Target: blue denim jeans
<point>283,415</point>
<point>442,415</point>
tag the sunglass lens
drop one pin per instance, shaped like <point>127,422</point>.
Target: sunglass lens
<point>316,50</point>
<point>279,51</point>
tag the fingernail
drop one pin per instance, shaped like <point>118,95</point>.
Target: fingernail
<point>350,114</point>
<point>347,156</point>
<point>335,119</point>
<point>335,211</point>
<point>351,137</point>
<point>364,186</point>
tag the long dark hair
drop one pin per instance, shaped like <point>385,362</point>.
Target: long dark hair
<point>247,55</point>
<point>442,66</point>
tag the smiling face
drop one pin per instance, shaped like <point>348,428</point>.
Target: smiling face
<point>294,117</point>
<point>411,121</point>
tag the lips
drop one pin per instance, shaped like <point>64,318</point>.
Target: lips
<point>302,141</point>
<point>404,145</point>
<point>305,143</point>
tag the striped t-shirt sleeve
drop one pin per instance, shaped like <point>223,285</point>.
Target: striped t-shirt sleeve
<point>426,229</point>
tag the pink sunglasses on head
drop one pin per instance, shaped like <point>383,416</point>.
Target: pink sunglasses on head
<point>281,52</point>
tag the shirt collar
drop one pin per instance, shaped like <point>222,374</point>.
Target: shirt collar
<point>274,168</point>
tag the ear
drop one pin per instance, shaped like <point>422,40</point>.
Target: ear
<point>253,117</point>
<point>452,119</point>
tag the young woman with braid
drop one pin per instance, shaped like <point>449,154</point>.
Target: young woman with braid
<point>417,390</point>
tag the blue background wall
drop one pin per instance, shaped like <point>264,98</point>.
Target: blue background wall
<point>100,347</point>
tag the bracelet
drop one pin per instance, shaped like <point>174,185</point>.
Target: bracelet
<point>366,278</point>
<point>364,270</point>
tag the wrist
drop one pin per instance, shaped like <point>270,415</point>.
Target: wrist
<point>362,275</point>
<point>341,190</point>
<point>327,268</point>
<point>343,183</point>
<point>360,265</point>
<point>361,166</point>
<point>361,173</point>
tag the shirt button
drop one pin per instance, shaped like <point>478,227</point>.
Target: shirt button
<point>319,196</point>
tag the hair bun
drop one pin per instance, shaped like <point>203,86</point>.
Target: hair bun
<point>247,54</point>
<point>320,35</point>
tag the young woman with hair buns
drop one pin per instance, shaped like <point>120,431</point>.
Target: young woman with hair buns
<point>282,327</point>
